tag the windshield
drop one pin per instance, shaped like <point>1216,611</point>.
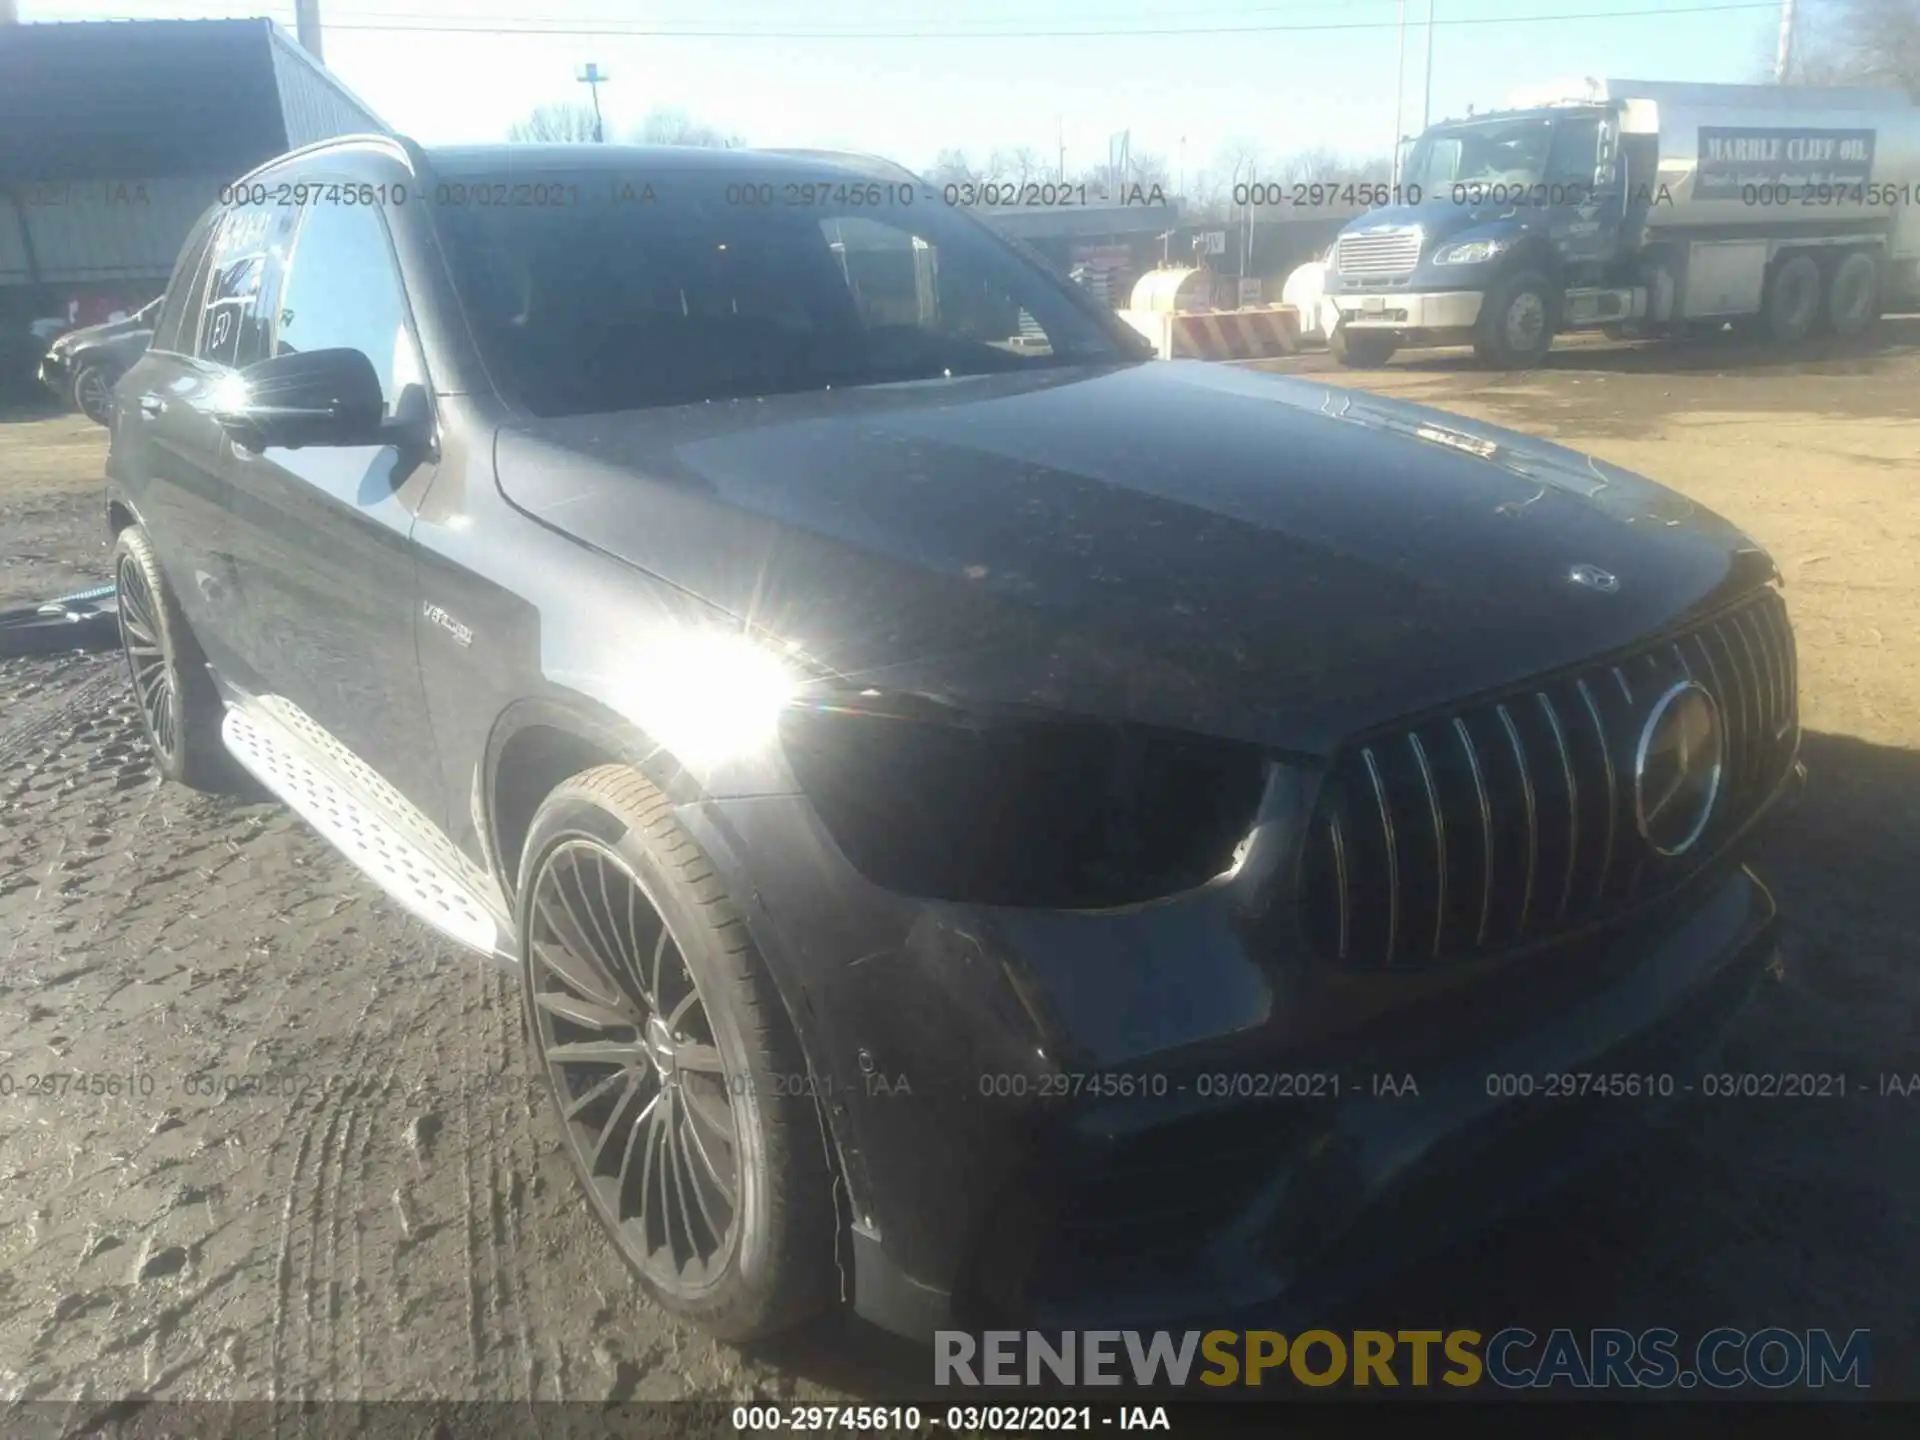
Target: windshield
<point>590,307</point>
<point>1494,152</point>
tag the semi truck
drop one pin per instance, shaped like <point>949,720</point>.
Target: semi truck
<point>1640,208</point>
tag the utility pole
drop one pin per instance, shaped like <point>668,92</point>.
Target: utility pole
<point>593,77</point>
<point>1426,96</point>
<point>306,26</point>
<point>1785,61</point>
<point>1399,91</point>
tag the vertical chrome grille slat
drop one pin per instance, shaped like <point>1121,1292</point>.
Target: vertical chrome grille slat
<point>1338,844</point>
<point>1439,841</point>
<point>1733,708</point>
<point>1782,642</point>
<point>1366,903</point>
<point>1718,687</point>
<point>1763,638</point>
<point>1764,691</point>
<point>1393,853</point>
<point>1756,722</point>
<point>1792,653</point>
<point>1613,789</point>
<point>1533,830</point>
<point>1486,828</point>
<point>1573,800</point>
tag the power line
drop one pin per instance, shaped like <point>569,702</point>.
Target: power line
<point>533,25</point>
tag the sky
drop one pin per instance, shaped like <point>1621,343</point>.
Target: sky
<point>909,78</point>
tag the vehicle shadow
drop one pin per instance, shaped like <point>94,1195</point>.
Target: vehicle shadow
<point>24,402</point>
<point>1896,337</point>
<point>1749,1213</point>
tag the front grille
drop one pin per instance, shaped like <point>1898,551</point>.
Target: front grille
<point>1379,252</point>
<point>1511,821</point>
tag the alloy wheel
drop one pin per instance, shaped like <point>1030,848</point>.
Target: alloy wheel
<point>95,396</point>
<point>644,1094</point>
<point>1526,319</point>
<point>147,660</point>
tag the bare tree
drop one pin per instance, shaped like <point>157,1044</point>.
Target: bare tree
<point>1116,181</point>
<point>1326,166</point>
<point>551,124</point>
<point>1147,170</point>
<point>1021,165</point>
<point>951,167</point>
<point>676,127</point>
<point>1859,42</point>
<point>1207,194</point>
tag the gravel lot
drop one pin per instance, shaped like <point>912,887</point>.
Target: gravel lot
<point>397,1222</point>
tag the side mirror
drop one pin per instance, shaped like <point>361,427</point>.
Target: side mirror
<point>1606,172</point>
<point>315,397</point>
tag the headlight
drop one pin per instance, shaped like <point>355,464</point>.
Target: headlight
<point>708,695</point>
<point>1469,252</point>
<point>1060,813</point>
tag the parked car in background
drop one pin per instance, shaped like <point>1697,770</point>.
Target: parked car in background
<point>82,366</point>
<point>985,823</point>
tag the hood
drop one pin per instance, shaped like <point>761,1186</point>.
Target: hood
<point>1441,219</point>
<point>1240,554</point>
<point>137,324</point>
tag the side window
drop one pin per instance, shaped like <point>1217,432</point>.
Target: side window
<point>184,289</point>
<point>1576,144</point>
<point>343,292</point>
<point>236,328</point>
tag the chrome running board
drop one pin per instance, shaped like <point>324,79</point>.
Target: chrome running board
<point>368,821</point>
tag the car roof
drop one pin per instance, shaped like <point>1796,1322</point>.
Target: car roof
<point>679,160</point>
<point>633,162</point>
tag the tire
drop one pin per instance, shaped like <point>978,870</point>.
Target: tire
<point>1791,307</point>
<point>1362,349</point>
<point>612,892</point>
<point>1518,319</point>
<point>1851,302</point>
<point>93,392</point>
<point>173,690</point>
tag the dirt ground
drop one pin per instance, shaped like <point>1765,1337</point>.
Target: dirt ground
<point>388,1215</point>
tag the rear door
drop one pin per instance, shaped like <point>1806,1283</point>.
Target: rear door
<point>322,533</point>
<point>164,409</point>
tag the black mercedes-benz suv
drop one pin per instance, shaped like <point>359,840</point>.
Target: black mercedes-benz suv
<point>988,824</point>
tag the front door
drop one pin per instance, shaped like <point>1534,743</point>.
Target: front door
<point>1584,218</point>
<point>322,533</point>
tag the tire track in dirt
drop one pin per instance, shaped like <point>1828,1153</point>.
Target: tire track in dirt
<point>518,1104</point>
<point>506,1182</point>
<point>472,993</point>
<point>497,1306</point>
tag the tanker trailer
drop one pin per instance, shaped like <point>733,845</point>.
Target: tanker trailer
<point>1641,208</point>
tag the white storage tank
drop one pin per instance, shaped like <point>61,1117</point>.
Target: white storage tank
<point>1174,290</point>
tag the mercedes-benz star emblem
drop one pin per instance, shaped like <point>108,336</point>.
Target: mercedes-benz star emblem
<point>1676,769</point>
<point>1594,578</point>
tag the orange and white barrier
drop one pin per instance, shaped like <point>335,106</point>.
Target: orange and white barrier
<point>1251,334</point>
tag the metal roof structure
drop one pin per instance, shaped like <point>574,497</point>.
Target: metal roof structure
<point>156,99</point>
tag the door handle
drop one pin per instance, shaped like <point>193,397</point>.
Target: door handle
<point>152,405</point>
